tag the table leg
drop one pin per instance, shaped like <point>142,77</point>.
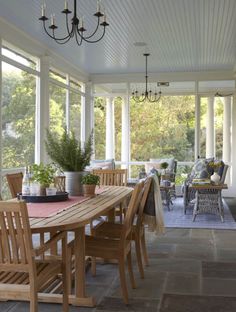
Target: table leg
<point>79,251</point>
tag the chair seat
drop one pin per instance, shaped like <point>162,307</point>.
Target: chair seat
<point>44,269</point>
<point>112,230</point>
<point>105,248</point>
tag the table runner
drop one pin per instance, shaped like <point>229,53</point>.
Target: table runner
<point>46,210</point>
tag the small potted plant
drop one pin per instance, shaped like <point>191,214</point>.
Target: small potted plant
<point>89,183</point>
<point>164,166</point>
<point>44,175</point>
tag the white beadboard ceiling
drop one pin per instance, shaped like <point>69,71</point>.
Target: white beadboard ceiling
<point>181,35</point>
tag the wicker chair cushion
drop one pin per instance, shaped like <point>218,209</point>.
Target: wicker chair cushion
<point>103,164</point>
<point>201,169</point>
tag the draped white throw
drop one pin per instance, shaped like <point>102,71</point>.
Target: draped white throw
<point>153,216</point>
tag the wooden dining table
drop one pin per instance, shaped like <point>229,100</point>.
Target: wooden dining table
<point>75,219</point>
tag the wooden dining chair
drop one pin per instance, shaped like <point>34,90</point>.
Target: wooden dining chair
<point>119,248</point>
<point>21,272</point>
<point>116,177</point>
<point>110,229</point>
<point>15,183</point>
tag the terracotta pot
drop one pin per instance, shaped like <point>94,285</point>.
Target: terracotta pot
<point>42,190</point>
<point>89,190</point>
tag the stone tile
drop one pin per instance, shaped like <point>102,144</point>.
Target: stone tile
<point>148,288</point>
<point>45,307</point>
<point>105,275</point>
<point>201,252</point>
<point>183,241</point>
<point>182,283</point>
<point>223,254</point>
<point>161,251</point>
<point>225,239</point>
<point>172,232</point>
<point>202,233</point>
<point>135,305</point>
<point>219,286</point>
<point>174,265</point>
<point>6,306</point>
<point>224,270</point>
<point>191,303</point>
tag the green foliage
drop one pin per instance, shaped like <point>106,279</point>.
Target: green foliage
<point>66,150</point>
<point>90,179</point>
<point>43,174</point>
<point>164,165</point>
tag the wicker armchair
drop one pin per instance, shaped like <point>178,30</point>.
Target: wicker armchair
<point>189,194</point>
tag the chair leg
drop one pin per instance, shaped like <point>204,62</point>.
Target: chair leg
<point>93,266</point>
<point>131,273</point>
<point>144,248</point>
<point>66,276</point>
<point>123,280</point>
<point>33,297</point>
<point>139,255</point>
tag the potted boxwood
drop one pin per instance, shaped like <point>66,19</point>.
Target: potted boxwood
<point>44,175</point>
<point>89,183</point>
<point>68,153</point>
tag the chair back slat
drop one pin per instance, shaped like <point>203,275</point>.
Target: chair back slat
<point>15,183</point>
<point>131,211</point>
<point>20,236</point>
<point>12,237</point>
<point>117,177</point>
<point>15,239</point>
<point>4,238</point>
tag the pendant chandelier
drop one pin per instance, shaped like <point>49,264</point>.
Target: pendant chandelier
<point>148,95</point>
<point>76,29</point>
<point>218,94</point>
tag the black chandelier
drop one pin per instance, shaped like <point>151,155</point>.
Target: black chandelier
<point>147,95</point>
<point>218,94</point>
<point>76,29</point>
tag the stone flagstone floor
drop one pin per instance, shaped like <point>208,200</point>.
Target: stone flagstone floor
<point>191,270</point>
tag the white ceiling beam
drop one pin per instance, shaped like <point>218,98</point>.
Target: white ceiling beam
<point>154,77</point>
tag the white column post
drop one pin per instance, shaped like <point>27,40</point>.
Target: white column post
<point>233,151</point>
<point>110,152</point>
<point>125,130</point>
<point>1,141</point>
<point>86,112</point>
<point>68,104</point>
<point>227,135</point>
<point>226,130</point>
<point>197,126</point>
<point>42,110</point>
<point>210,137</point>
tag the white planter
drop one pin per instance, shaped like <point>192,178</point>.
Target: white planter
<point>73,182</point>
<point>215,178</point>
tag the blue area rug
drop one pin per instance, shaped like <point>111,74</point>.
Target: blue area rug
<point>175,218</point>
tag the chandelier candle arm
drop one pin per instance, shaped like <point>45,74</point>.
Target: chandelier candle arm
<point>146,95</point>
<point>76,29</point>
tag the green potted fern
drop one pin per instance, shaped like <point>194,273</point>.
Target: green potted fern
<point>67,152</point>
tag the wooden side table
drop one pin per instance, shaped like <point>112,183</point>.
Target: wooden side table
<point>166,194</point>
<point>208,199</point>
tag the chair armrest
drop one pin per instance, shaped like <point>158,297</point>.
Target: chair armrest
<point>49,244</point>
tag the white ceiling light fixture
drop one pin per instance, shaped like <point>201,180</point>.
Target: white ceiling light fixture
<point>75,27</point>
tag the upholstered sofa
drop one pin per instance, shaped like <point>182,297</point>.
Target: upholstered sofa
<point>102,164</point>
<point>201,170</point>
<point>156,164</point>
